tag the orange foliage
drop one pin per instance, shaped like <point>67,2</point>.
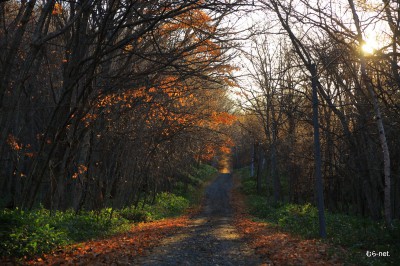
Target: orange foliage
<point>16,145</point>
<point>169,90</point>
<point>225,149</point>
<point>57,10</point>
<point>13,142</point>
<point>29,154</point>
<point>192,19</point>
<point>171,104</point>
<point>89,118</point>
<point>128,48</point>
<point>124,99</point>
<point>191,24</point>
<point>81,170</point>
<point>208,152</point>
<point>229,142</point>
<point>223,118</point>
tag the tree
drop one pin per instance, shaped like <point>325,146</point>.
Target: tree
<point>118,79</point>
<point>355,88</point>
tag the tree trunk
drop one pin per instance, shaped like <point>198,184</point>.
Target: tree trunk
<point>317,154</point>
<point>274,167</point>
<point>253,155</point>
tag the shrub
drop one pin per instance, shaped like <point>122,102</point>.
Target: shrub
<point>168,204</point>
<point>249,186</point>
<point>165,205</point>
<point>204,171</point>
<point>193,180</point>
<point>136,215</point>
<point>355,233</point>
<point>25,233</point>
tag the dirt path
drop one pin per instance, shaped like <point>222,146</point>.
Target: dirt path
<point>210,238</point>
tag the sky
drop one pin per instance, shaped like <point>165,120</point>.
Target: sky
<point>375,30</point>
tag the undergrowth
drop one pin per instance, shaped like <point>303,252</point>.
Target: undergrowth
<point>356,234</point>
<point>24,234</point>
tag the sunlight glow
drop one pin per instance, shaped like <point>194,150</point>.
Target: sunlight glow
<point>370,45</point>
<point>367,48</point>
<point>225,164</point>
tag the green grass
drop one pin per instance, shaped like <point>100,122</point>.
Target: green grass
<point>29,233</point>
<point>166,205</point>
<point>26,233</point>
<point>184,195</point>
<point>356,234</point>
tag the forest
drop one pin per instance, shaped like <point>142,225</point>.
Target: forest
<point>112,109</point>
<point>325,74</point>
<point>108,101</point>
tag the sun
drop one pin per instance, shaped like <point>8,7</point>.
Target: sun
<point>370,45</point>
<point>368,48</point>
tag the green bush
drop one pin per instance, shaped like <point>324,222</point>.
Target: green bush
<point>204,171</point>
<point>27,233</point>
<point>300,219</point>
<point>168,204</point>
<point>136,215</point>
<point>90,224</point>
<point>189,186</point>
<point>244,172</point>
<point>249,186</point>
<point>165,205</point>
<point>357,234</point>
<point>24,233</point>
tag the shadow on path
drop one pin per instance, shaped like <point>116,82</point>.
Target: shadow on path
<point>210,239</point>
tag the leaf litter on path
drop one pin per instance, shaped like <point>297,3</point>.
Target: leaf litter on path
<point>117,250</point>
<point>279,247</point>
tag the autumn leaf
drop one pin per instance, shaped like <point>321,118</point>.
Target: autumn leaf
<point>128,48</point>
<point>57,10</point>
<point>12,141</point>
<point>81,170</point>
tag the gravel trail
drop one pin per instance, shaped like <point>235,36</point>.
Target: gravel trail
<point>210,239</point>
